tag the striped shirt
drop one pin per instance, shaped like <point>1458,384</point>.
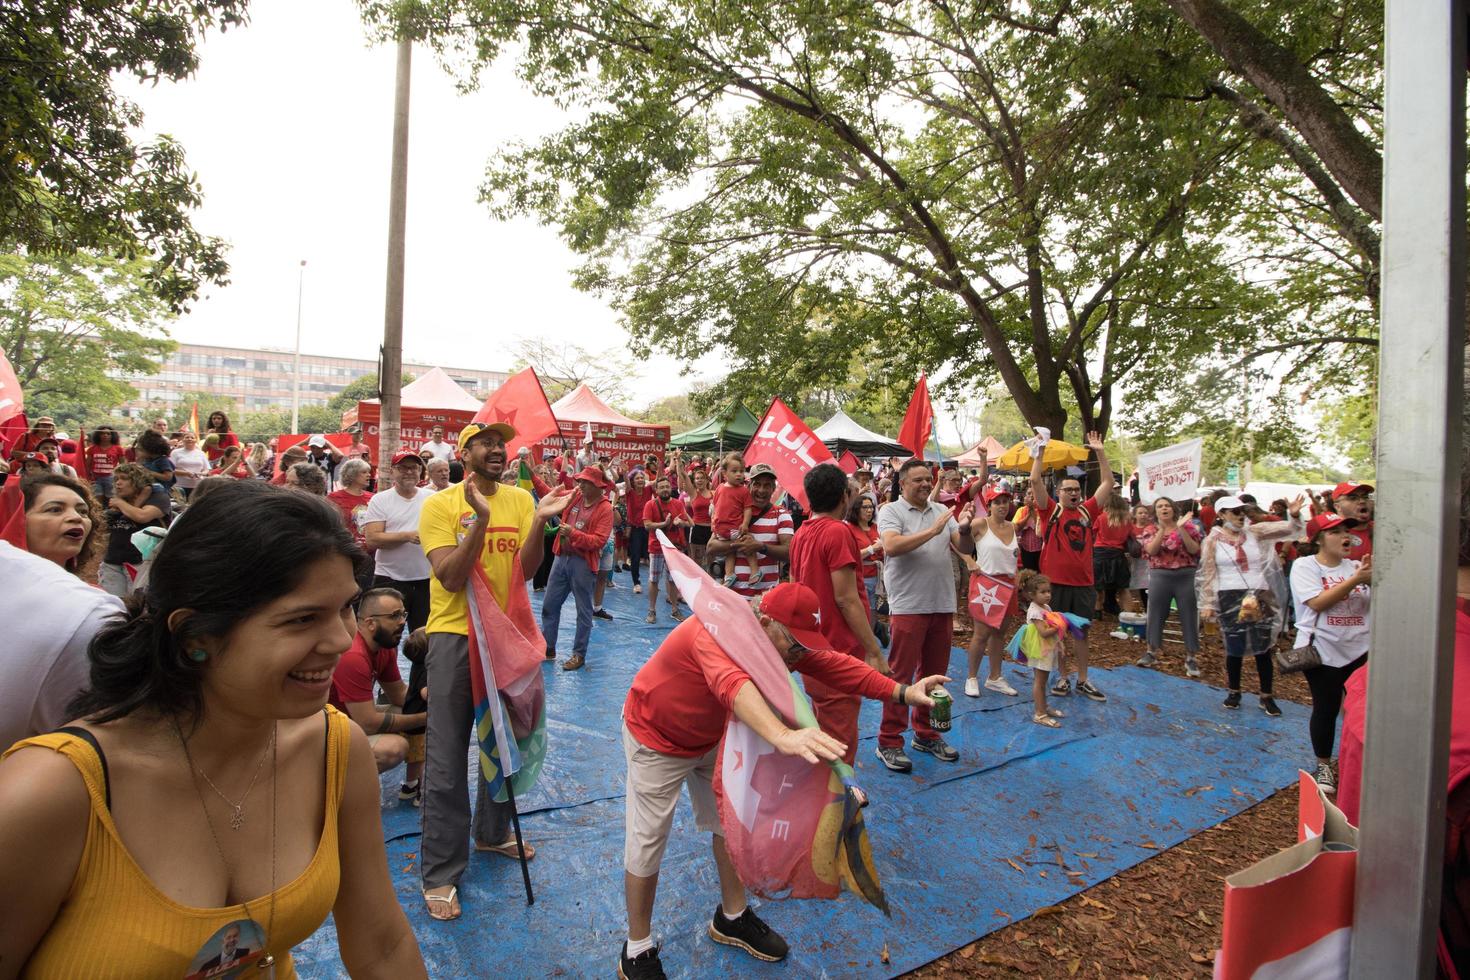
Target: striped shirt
<point>766,528</point>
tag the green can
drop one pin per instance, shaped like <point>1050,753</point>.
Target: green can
<point>939,714</point>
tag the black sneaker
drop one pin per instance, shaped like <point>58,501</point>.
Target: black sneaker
<point>1268,705</point>
<point>644,966</point>
<point>893,757</point>
<point>1086,689</point>
<point>937,747</point>
<point>1061,688</point>
<point>409,791</point>
<point>601,614</point>
<point>1232,700</point>
<point>749,933</point>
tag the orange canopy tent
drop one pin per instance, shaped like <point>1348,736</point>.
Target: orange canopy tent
<point>580,413</point>
<point>434,399</point>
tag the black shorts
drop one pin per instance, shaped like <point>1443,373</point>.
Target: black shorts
<point>699,534</point>
<point>1079,600</point>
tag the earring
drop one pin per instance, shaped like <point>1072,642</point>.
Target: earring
<point>199,656</point>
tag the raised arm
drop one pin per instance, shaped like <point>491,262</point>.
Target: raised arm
<point>1105,483</point>
<point>1038,482</point>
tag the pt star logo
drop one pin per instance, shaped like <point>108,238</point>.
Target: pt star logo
<point>986,599</point>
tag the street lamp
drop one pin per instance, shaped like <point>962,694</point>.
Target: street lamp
<point>296,360</point>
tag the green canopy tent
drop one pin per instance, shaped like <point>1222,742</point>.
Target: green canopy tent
<point>727,431</point>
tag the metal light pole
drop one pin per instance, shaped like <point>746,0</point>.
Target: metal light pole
<point>296,359</point>
<point>1421,374</point>
<point>390,382</point>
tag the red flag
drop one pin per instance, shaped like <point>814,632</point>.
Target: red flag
<point>918,421</point>
<point>991,599</point>
<point>194,420</point>
<point>521,401</point>
<point>12,405</point>
<point>788,445</point>
<point>850,464</point>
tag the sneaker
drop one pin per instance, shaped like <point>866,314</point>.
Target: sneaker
<point>1120,634</point>
<point>676,615</point>
<point>1268,705</point>
<point>1086,689</point>
<point>1232,700</point>
<point>1061,688</point>
<point>644,966</point>
<point>637,589</point>
<point>574,662</point>
<point>999,686</point>
<point>1326,778</point>
<point>893,757</point>
<point>1147,660</point>
<point>972,687</point>
<point>409,791</point>
<point>937,747</point>
<point>1191,667</point>
<point>651,618</point>
<point>749,933</point>
<point>601,614</point>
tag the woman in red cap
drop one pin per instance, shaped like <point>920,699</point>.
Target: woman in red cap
<point>998,555</point>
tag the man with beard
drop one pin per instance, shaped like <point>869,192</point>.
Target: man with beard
<point>1354,504</point>
<point>373,659</point>
<point>391,525</point>
<point>663,513</point>
<point>501,528</point>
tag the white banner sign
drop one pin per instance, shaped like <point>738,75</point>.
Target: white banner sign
<point>1172,472</point>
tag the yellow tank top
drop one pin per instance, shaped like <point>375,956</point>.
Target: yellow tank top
<point>115,922</point>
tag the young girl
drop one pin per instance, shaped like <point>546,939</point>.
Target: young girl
<point>730,515</point>
<point>1042,649</point>
<point>1143,519</point>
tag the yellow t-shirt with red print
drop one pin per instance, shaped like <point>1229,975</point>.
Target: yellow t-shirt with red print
<point>444,521</point>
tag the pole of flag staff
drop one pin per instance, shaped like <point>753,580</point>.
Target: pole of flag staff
<point>1421,377</point>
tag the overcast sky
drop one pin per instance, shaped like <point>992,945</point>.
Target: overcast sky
<point>289,124</point>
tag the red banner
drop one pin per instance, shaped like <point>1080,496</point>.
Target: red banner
<point>415,425</point>
<point>787,445</point>
<point>991,599</point>
<point>918,421</point>
<point>521,401</point>
<point>850,464</point>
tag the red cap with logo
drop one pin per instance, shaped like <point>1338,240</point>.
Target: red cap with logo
<point>1326,522</point>
<point>795,607</point>
<point>996,490</point>
<point>406,456</point>
<point>1347,487</point>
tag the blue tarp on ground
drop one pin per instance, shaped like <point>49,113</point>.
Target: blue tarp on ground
<point>1070,807</point>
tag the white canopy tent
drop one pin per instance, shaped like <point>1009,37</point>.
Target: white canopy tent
<point>840,433</point>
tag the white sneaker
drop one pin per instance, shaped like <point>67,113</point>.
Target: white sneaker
<point>999,686</point>
<point>972,687</point>
<point>1120,634</point>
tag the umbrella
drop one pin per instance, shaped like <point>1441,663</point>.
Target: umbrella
<point>1058,455</point>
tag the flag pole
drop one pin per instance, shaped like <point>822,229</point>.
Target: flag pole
<point>515,820</point>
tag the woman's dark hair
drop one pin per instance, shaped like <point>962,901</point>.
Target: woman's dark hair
<point>241,547</point>
<point>855,509</point>
<point>217,413</point>
<point>153,443</point>
<point>825,486</point>
<point>30,491</point>
<point>96,438</point>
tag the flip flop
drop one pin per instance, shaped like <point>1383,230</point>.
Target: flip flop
<point>506,849</point>
<point>448,901</point>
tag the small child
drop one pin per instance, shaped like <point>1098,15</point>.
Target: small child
<point>415,700</point>
<point>730,516</point>
<point>1042,648</point>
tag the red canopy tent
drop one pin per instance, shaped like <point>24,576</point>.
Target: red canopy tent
<point>580,411</point>
<point>434,399</point>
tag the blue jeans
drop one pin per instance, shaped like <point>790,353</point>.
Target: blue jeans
<point>569,574</point>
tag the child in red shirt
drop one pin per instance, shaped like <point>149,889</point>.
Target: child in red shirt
<point>730,516</point>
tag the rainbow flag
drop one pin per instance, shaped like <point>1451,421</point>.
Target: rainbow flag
<point>792,828</point>
<point>506,652</point>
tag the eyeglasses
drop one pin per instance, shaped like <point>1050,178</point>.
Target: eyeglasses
<point>1071,489</point>
<point>396,617</point>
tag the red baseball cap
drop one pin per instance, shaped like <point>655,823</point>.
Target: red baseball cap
<point>1343,489</point>
<point>406,456</point>
<point>996,490</point>
<point>1327,522</point>
<point>795,607</point>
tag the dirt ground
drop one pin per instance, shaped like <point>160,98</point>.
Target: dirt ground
<point>1160,918</point>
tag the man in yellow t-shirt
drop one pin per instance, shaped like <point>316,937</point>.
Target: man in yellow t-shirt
<point>501,527</point>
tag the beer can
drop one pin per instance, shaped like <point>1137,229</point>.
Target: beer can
<point>939,715</point>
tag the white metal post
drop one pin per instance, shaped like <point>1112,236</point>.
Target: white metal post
<point>1421,371</point>
<point>296,358</point>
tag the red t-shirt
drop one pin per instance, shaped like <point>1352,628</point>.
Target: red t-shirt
<point>352,506</point>
<point>728,512</point>
<point>635,500</point>
<point>820,546</point>
<point>1105,535</point>
<point>682,697</point>
<point>866,539</point>
<point>1066,555</point>
<point>699,508</point>
<point>102,460</point>
<point>226,440</point>
<point>352,681</point>
<point>658,511</point>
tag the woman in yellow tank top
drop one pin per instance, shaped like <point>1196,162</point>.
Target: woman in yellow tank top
<point>207,812</point>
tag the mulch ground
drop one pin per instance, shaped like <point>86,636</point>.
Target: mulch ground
<point>1160,918</point>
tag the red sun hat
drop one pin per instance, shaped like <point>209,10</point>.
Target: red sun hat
<point>795,607</point>
<point>1327,522</point>
<point>594,476</point>
<point>408,455</point>
<point>1347,487</point>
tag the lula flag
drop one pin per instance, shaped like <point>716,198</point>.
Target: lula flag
<point>506,652</point>
<point>792,828</point>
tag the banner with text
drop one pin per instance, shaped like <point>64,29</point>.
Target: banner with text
<point>1172,472</point>
<point>787,445</point>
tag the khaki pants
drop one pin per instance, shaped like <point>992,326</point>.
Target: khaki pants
<point>652,791</point>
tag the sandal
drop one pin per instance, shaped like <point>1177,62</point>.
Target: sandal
<point>450,903</point>
<point>1046,720</point>
<point>506,849</point>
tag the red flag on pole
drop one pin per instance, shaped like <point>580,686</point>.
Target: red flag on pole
<point>12,403</point>
<point>521,401</point>
<point>850,464</point>
<point>918,421</point>
<point>787,445</point>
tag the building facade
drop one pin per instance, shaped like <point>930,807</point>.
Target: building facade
<point>259,380</point>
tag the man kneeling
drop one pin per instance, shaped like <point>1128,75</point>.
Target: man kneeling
<point>673,720</point>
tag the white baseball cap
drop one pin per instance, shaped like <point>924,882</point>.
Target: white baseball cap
<point>317,440</point>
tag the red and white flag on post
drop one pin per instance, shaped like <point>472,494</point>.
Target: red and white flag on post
<point>918,421</point>
<point>12,402</point>
<point>787,445</point>
<point>520,401</point>
<point>991,599</point>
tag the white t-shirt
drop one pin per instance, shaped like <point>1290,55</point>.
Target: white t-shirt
<point>404,562</point>
<point>51,616</point>
<point>441,450</point>
<point>1341,632</point>
<point>189,466</point>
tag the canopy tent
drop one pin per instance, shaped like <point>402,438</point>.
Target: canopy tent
<point>841,433</point>
<point>580,413</point>
<point>434,399</point>
<point>1058,455</point>
<point>993,452</point>
<point>726,431</point>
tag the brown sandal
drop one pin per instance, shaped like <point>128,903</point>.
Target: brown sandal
<point>506,849</point>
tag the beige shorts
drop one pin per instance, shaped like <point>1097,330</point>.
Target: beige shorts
<point>654,780</point>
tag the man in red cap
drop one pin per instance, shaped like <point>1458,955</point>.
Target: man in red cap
<point>1354,503</point>
<point>585,526</point>
<point>673,720</point>
<point>391,526</point>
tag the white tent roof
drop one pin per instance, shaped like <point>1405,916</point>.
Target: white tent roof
<point>841,431</point>
<point>436,389</point>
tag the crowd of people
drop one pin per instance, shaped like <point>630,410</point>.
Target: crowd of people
<point>242,589</point>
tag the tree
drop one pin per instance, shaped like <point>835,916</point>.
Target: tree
<point>264,426</point>
<point>562,367</point>
<point>358,389</point>
<point>70,325</point>
<point>71,175</point>
<point>675,411</point>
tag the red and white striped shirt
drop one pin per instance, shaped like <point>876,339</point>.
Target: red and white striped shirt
<point>766,528</point>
